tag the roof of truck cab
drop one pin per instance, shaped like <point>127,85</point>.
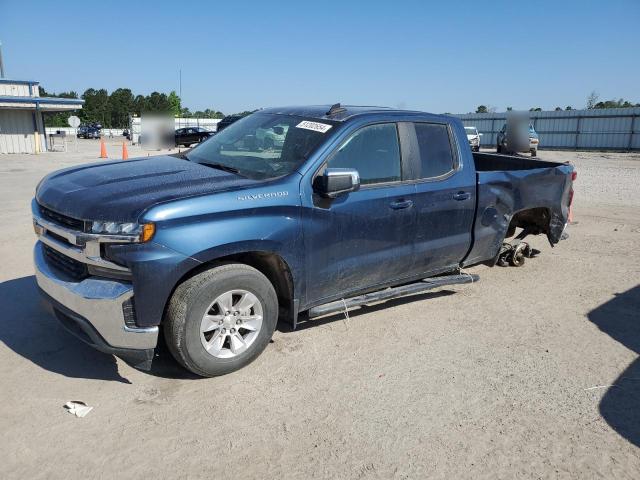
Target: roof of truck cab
<point>346,112</point>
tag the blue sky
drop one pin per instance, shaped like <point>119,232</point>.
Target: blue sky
<point>443,56</point>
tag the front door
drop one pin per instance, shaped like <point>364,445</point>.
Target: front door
<point>363,238</point>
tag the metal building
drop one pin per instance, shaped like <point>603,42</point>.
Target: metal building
<point>598,129</point>
<point>21,115</point>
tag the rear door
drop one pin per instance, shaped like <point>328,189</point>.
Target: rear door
<point>362,238</point>
<point>444,198</point>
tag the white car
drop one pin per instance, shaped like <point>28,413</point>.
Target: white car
<point>474,138</point>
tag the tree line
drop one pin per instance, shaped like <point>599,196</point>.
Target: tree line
<point>593,103</point>
<point>112,110</point>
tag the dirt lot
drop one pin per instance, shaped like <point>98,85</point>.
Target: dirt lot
<point>531,373</point>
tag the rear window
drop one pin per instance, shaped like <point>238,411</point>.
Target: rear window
<point>436,155</point>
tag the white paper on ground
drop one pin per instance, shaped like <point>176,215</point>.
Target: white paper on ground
<point>77,408</point>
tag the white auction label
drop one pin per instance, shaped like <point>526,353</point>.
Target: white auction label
<point>315,126</point>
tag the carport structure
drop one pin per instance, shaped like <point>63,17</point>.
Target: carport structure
<point>21,115</point>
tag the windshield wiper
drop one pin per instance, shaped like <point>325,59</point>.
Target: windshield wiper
<point>222,166</point>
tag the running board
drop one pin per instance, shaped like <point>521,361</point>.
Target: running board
<point>391,293</point>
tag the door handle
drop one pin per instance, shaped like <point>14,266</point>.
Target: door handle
<point>461,196</point>
<point>399,204</point>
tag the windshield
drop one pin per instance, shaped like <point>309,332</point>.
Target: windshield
<point>263,145</point>
<point>471,130</point>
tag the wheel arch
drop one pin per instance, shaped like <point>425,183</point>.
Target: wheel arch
<point>536,219</point>
<point>270,264</point>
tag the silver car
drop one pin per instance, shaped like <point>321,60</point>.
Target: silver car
<point>474,138</point>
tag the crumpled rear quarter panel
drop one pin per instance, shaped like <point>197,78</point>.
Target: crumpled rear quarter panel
<point>501,194</point>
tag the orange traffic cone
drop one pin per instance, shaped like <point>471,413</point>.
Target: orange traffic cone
<point>103,149</point>
<point>125,153</point>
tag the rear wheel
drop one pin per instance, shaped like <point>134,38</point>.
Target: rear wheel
<point>220,320</point>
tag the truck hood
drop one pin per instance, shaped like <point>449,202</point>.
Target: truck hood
<point>120,191</point>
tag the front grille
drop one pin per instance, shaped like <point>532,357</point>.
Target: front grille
<point>73,268</point>
<point>63,220</point>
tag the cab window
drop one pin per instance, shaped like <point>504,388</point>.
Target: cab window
<point>374,151</point>
<point>436,153</point>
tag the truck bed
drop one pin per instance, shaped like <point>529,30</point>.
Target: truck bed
<point>517,192</point>
<point>491,162</point>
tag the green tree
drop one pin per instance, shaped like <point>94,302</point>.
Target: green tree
<point>558,109</point>
<point>174,103</point>
<point>158,103</point>
<point>568,107</point>
<point>121,105</point>
<point>482,109</point>
<point>536,109</point>
<point>620,103</point>
<point>96,107</point>
<point>139,104</point>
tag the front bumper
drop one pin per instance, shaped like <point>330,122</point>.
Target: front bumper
<point>92,309</point>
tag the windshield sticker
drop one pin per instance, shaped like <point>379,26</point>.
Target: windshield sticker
<point>315,126</point>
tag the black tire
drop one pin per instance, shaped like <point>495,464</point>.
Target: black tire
<point>534,152</point>
<point>187,307</point>
<point>498,149</point>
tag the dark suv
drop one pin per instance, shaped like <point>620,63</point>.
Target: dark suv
<point>89,131</point>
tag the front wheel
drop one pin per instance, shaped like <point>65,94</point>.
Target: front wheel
<point>220,320</point>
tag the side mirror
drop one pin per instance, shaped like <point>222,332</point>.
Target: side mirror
<point>336,181</point>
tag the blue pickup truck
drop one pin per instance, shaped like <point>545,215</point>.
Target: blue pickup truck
<point>357,205</point>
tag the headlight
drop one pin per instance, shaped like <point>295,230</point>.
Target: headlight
<point>141,232</point>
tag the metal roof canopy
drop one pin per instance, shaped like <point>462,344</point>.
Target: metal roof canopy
<point>41,103</point>
<point>21,82</point>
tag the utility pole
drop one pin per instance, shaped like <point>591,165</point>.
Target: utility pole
<point>1,63</point>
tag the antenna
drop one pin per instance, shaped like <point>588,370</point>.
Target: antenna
<point>335,108</point>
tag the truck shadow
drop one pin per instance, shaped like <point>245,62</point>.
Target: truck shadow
<point>30,330</point>
<point>620,406</point>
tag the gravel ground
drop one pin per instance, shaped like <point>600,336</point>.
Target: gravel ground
<point>530,373</point>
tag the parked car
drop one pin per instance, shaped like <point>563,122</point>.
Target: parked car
<point>504,146</point>
<point>360,205</point>
<point>226,121</point>
<point>89,131</point>
<point>473,137</point>
<point>190,135</point>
